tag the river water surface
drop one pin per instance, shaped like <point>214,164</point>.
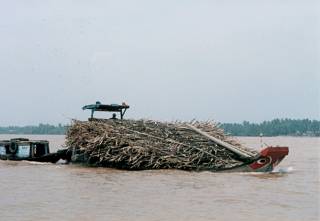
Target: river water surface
<point>37,191</point>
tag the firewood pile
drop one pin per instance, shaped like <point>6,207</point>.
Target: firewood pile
<point>146,144</point>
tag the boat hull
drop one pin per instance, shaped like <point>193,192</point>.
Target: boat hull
<point>49,158</point>
<point>268,159</point>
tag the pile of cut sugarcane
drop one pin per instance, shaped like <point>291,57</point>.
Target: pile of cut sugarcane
<point>146,144</point>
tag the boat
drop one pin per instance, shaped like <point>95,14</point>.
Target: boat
<point>18,149</point>
<point>146,144</point>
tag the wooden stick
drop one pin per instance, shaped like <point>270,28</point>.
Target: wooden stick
<point>170,141</point>
<point>242,153</point>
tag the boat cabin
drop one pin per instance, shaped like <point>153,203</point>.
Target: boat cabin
<point>23,149</point>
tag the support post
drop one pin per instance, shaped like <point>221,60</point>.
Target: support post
<point>92,111</point>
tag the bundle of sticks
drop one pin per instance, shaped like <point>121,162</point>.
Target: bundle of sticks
<point>146,144</point>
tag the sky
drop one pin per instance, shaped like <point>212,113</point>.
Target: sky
<point>222,60</point>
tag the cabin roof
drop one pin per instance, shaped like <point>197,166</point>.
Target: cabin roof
<point>105,107</point>
<point>121,108</point>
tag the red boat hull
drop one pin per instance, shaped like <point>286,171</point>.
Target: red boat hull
<point>269,158</point>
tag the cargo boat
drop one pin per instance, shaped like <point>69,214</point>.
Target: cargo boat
<point>145,144</point>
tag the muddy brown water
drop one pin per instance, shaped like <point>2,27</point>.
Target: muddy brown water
<point>37,191</point>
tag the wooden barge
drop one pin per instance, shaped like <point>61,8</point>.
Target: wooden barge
<point>145,144</point>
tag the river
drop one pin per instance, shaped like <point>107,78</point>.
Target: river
<point>41,191</point>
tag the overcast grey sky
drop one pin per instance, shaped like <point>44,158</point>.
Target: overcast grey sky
<point>227,60</point>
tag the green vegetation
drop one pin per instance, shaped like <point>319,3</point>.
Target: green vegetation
<point>40,129</point>
<point>276,127</point>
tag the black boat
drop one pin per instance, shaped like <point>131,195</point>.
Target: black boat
<point>30,150</point>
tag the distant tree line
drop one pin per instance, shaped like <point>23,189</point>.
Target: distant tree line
<point>276,127</point>
<point>40,129</point>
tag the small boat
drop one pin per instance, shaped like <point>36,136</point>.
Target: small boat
<point>30,150</point>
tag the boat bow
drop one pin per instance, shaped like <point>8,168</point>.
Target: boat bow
<point>269,158</point>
